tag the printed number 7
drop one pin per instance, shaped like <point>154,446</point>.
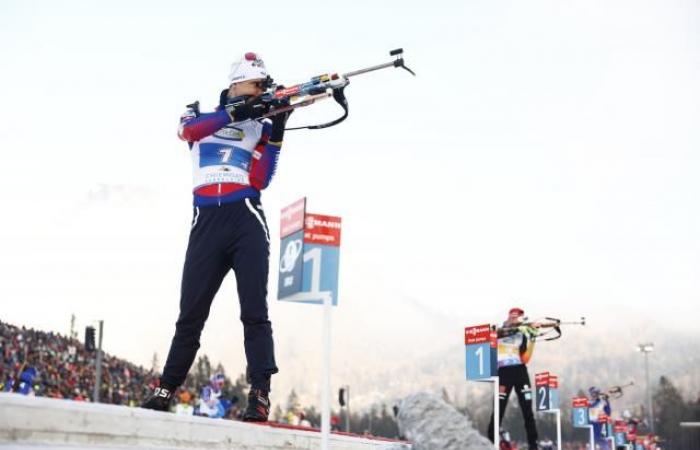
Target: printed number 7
<point>226,154</point>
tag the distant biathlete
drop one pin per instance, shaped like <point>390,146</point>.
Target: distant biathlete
<point>234,156</point>
<point>515,345</point>
<point>210,401</point>
<point>599,405</point>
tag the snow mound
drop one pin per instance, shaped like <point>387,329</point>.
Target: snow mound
<point>432,424</point>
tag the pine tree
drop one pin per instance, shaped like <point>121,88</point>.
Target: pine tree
<point>277,414</point>
<point>313,416</point>
<point>670,410</point>
<point>155,365</point>
<point>386,424</point>
<point>238,392</point>
<point>694,410</point>
<point>292,401</point>
<point>202,371</point>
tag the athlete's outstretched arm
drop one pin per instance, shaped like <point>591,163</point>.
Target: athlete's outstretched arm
<point>194,127</point>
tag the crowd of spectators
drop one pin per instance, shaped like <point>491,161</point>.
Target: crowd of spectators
<point>49,364</point>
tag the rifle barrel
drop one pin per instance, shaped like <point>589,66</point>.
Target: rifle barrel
<point>368,69</point>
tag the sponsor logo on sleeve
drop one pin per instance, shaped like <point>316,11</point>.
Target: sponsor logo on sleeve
<point>230,133</point>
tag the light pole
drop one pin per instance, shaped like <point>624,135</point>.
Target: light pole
<point>347,409</point>
<point>344,400</point>
<point>98,366</point>
<point>646,349</point>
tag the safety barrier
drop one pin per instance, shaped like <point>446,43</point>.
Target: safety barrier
<point>32,423</point>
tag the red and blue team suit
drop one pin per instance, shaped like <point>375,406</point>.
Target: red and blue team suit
<point>232,162</point>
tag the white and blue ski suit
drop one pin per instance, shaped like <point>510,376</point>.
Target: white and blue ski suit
<point>231,163</point>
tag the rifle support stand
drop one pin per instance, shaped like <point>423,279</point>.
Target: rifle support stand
<point>558,414</point>
<point>496,412</point>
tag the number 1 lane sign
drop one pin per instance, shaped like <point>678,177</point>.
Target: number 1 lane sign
<point>481,348</point>
<point>309,256</point>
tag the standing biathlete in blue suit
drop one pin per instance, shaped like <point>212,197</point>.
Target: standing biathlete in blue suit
<point>599,405</point>
<point>234,156</point>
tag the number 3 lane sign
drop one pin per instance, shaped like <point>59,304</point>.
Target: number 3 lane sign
<point>579,410</point>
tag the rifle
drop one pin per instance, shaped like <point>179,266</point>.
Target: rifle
<point>282,99</point>
<point>616,391</point>
<point>551,324</point>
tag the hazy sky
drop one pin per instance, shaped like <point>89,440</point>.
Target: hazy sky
<point>546,156</point>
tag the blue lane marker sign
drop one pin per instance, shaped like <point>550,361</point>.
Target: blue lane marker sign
<point>309,256</point>
<point>481,352</point>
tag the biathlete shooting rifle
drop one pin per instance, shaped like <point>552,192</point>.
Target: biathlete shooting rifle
<point>551,326</point>
<point>281,99</point>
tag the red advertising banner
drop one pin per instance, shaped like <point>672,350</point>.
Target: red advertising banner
<point>602,418</point>
<point>553,381</point>
<point>494,339</point>
<point>292,218</point>
<point>477,334</point>
<point>579,402</point>
<point>320,229</point>
<point>542,379</point>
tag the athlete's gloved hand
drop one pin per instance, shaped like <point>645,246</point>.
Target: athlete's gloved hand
<point>528,331</point>
<point>279,121</point>
<point>252,108</point>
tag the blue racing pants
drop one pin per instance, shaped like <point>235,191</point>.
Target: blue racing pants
<point>230,236</point>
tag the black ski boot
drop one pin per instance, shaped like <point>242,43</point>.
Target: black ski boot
<point>258,406</point>
<point>159,400</point>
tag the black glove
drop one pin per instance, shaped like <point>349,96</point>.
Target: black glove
<point>279,121</point>
<point>252,108</point>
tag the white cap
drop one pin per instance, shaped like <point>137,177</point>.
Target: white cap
<point>250,67</point>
